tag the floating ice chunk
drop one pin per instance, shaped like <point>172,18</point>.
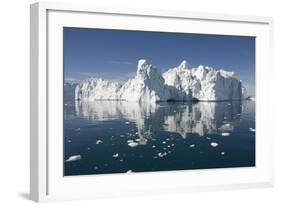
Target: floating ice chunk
<point>227,124</point>
<point>192,145</point>
<point>225,134</point>
<point>99,142</point>
<point>133,144</point>
<point>69,141</point>
<point>127,123</point>
<point>172,145</point>
<point>74,158</point>
<point>222,153</point>
<point>138,140</point>
<point>164,142</point>
<point>153,146</point>
<point>168,146</point>
<point>129,171</point>
<point>115,155</point>
<point>208,138</point>
<point>78,129</point>
<point>252,129</point>
<point>129,141</point>
<point>214,144</point>
<point>162,154</point>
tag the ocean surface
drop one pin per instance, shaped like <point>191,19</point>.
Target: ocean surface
<point>106,137</point>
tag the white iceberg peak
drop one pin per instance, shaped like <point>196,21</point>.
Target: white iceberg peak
<point>183,65</point>
<point>142,63</point>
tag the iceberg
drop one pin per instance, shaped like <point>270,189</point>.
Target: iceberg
<point>205,83</point>
<point>176,84</point>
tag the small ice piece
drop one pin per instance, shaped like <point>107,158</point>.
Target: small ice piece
<point>121,160</point>
<point>89,148</point>
<point>136,133</point>
<point>168,146</point>
<point>225,134</point>
<point>153,146</point>
<point>192,145</point>
<point>78,129</point>
<point>129,141</point>
<point>162,154</point>
<point>69,141</point>
<point>122,136</point>
<point>208,138</point>
<point>172,145</point>
<point>133,144</point>
<point>129,171</point>
<point>138,140</point>
<point>164,142</point>
<point>252,129</point>
<point>74,158</point>
<point>115,155</point>
<point>222,153</point>
<point>227,124</point>
<point>99,142</point>
<point>127,123</point>
<point>214,144</point>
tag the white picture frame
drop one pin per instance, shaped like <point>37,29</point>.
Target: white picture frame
<point>46,179</point>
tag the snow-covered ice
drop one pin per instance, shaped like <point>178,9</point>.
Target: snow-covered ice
<point>99,142</point>
<point>160,154</point>
<point>179,84</point>
<point>252,129</point>
<point>214,144</point>
<point>132,144</point>
<point>74,158</point>
<point>115,155</point>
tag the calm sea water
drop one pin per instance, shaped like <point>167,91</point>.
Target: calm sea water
<point>118,137</point>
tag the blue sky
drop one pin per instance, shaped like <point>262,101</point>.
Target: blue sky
<point>113,54</point>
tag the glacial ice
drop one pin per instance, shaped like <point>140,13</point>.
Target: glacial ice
<point>214,144</point>
<point>74,158</point>
<point>177,84</point>
<point>204,83</point>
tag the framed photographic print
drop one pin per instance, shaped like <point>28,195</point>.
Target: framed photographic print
<point>127,102</point>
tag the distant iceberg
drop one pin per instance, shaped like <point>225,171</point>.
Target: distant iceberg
<point>177,84</point>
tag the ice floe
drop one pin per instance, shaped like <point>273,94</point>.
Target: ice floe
<point>115,155</point>
<point>214,144</point>
<point>74,158</point>
<point>133,144</point>
<point>99,142</point>
<point>252,129</point>
<point>225,134</point>
<point>160,154</point>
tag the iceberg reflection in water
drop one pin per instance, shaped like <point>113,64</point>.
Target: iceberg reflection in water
<point>157,137</point>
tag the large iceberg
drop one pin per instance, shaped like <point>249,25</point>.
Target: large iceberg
<point>204,83</point>
<point>177,84</point>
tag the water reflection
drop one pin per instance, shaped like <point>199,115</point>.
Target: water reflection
<point>183,118</point>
